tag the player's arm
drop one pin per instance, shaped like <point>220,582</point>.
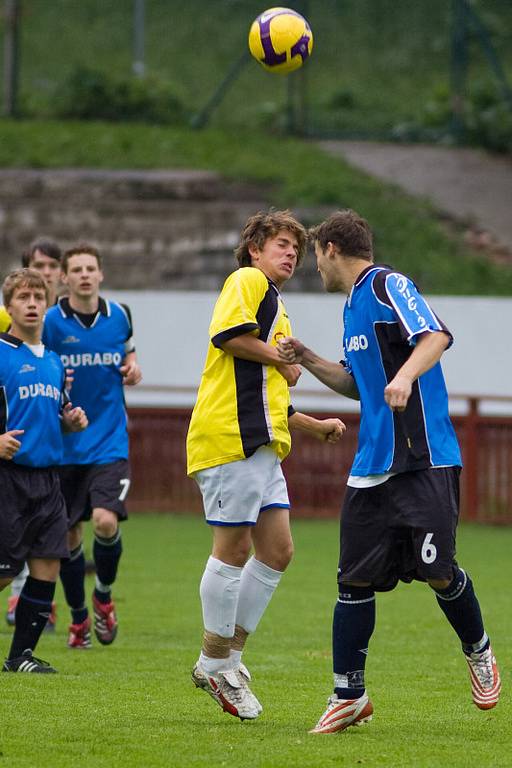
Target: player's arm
<point>333,375</point>
<point>249,347</point>
<point>427,351</point>
<point>130,369</point>
<point>329,430</point>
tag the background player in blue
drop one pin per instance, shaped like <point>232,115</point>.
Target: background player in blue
<point>400,511</point>
<point>93,337</point>
<point>43,255</point>
<point>33,520</point>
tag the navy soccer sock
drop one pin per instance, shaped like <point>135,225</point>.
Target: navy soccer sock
<point>353,625</point>
<point>460,606</point>
<point>32,611</point>
<point>106,553</point>
<point>72,576</point>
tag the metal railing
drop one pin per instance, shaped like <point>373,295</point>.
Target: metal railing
<point>317,472</point>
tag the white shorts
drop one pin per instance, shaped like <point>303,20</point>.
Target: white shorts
<point>236,493</point>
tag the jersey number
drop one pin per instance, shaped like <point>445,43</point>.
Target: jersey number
<point>125,487</point>
<point>428,550</point>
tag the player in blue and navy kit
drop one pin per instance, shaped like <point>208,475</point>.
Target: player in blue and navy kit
<point>93,337</point>
<point>401,507</point>
<point>33,410</point>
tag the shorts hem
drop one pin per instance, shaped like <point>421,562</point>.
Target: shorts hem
<point>232,525</point>
<point>277,506</point>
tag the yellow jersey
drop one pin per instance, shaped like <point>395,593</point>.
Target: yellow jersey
<point>5,320</point>
<point>241,405</point>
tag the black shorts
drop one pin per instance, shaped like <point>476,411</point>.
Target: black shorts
<point>33,522</point>
<point>90,486</point>
<point>401,529</point>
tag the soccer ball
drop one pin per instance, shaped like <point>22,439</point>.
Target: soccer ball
<point>280,39</point>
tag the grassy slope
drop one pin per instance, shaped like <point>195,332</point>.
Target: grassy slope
<point>386,59</point>
<point>133,704</point>
<point>407,233</point>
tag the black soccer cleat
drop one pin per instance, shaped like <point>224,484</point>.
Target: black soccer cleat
<point>27,663</point>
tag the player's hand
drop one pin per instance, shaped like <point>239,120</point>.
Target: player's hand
<point>131,373</point>
<point>70,377</point>
<point>74,419</point>
<point>331,430</point>
<point>9,445</point>
<point>290,350</point>
<point>291,373</point>
<point>398,392</point>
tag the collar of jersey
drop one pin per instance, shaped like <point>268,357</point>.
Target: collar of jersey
<point>68,311</point>
<point>13,341</point>
<point>370,268</point>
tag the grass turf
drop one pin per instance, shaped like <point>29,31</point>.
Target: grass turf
<point>133,704</point>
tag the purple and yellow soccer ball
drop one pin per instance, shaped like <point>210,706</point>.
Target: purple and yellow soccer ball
<point>281,40</point>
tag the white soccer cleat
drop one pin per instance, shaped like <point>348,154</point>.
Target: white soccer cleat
<point>229,690</point>
<point>244,676</point>
<point>485,678</point>
<point>341,713</point>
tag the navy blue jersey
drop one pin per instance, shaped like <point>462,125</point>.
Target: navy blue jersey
<point>383,317</point>
<point>31,398</point>
<point>95,352</point>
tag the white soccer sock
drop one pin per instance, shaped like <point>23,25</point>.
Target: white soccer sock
<point>219,590</point>
<point>257,586</point>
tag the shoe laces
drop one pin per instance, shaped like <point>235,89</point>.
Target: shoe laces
<point>481,663</point>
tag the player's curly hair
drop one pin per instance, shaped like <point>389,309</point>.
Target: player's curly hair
<point>264,225</point>
<point>350,233</point>
<point>23,278</point>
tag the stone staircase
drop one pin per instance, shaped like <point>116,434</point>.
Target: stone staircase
<point>164,230</point>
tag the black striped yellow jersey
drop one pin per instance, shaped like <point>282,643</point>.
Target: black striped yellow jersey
<point>241,405</point>
<point>5,320</point>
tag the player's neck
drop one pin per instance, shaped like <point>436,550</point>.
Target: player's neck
<point>87,305</point>
<point>28,335</point>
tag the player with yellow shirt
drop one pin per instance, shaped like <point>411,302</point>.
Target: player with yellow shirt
<point>238,436</point>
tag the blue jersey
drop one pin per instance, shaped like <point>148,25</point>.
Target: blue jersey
<point>95,352</point>
<point>383,318</point>
<point>31,398</point>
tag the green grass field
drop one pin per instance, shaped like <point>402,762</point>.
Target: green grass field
<point>133,704</point>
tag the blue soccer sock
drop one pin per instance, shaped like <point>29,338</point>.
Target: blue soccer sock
<point>460,606</point>
<point>353,625</point>
<point>107,553</point>
<point>72,576</point>
<point>32,612</point>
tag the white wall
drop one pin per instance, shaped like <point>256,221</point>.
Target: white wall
<point>171,333</point>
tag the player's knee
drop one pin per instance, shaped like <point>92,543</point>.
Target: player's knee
<point>74,537</point>
<point>283,557</point>
<point>440,583</point>
<point>105,523</point>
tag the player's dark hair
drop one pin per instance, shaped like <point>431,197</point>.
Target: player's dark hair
<point>87,248</point>
<point>350,233</point>
<point>23,278</point>
<point>264,225</point>
<point>44,245</point>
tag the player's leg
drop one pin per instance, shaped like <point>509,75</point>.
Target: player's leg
<point>453,587</point>
<point>72,576</point>
<point>74,482</point>
<point>365,560</point>
<point>108,488</point>
<point>232,499</point>
<point>37,534</point>
<point>273,551</point>
<point>32,612</point>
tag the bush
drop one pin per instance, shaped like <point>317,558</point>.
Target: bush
<point>90,94</point>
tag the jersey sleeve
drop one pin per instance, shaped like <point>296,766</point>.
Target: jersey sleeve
<point>5,320</point>
<point>237,306</point>
<point>129,344</point>
<point>413,312</point>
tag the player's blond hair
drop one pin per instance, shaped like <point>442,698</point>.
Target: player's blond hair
<point>264,225</point>
<point>23,278</point>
